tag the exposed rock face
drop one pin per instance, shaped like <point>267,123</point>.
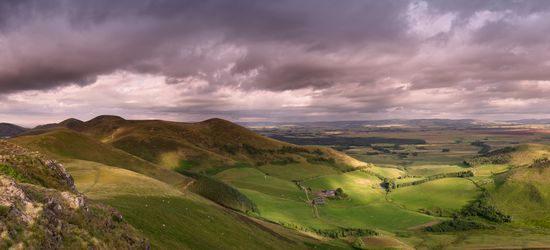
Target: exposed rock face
<point>40,208</point>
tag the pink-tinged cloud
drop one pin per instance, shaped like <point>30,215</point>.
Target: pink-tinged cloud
<point>274,60</point>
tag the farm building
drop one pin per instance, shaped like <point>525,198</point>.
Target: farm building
<point>318,201</point>
<point>328,193</point>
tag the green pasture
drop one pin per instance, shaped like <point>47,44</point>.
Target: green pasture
<point>449,194</point>
<point>282,201</point>
<point>172,219</point>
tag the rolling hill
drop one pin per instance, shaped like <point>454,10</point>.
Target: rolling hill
<point>40,207</point>
<point>9,130</point>
<point>154,200</point>
<point>524,193</point>
<point>201,146</point>
<point>145,192</point>
<point>520,155</point>
<point>66,145</point>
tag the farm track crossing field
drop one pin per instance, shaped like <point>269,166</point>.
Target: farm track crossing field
<point>366,206</point>
<point>171,219</point>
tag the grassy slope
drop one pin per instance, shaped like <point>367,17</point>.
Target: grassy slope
<point>40,206</point>
<point>280,200</point>
<point>128,191</point>
<point>171,219</point>
<point>449,194</point>
<point>198,146</point>
<point>65,144</point>
<point>526,153</point>
<point>525,195</point>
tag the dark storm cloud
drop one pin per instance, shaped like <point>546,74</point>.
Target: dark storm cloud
<point>52,43</point>
<point>355,57</point>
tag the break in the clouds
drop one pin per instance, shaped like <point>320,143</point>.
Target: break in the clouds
<point>255,60</point>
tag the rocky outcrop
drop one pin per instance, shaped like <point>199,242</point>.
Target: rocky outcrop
<point>36,214</point>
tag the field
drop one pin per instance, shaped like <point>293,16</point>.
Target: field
<point>401,215</point>
<point>171,219</point>
<point>389,187</point>
<point>445,195</point>
<point>282,201</point>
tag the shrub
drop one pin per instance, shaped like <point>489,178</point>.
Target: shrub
<point>359,244</point>
<point>500,156</point>
<point>458,225</point>
<point>540,163</point>
<point>345,232</point>
<point>4,210</point>
<point>485,148</point>
<point>462,174</point>
<point>482,208</point>
<point>11,172</point>
<point>332,233</point>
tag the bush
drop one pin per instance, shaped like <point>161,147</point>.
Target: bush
<point>462,174</point>
<point>485,148</point>
<point>4,210</point>
<point>9,171</point>
<point>500,156</point>
<point>333,233</point>
<point>541,163</point>
<point>339,194</point>
<point>482,208</point>
<point>458,225</point>
<point>359,244</point>
<point>345,232</point>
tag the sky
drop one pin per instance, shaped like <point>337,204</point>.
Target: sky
<point>274,60</point>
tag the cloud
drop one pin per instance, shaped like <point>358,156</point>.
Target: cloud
<point>251,59</point>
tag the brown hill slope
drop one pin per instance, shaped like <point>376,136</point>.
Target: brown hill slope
<point>41,208</point>
<point>203,145</point>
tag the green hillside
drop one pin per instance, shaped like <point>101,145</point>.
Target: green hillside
<point>65,144</point>
<point>172,219</point>
<point>201,146</point>
<point>127,182</point>
<point>520,155</point>
<point>524,194</point>
<point>40,208</point>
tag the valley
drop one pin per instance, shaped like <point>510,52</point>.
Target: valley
<point>185,184</point>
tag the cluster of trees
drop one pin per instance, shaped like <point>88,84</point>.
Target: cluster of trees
<point>278,156</point>
<point>252,150</point>
<point>390,184</point>
<point>458,225</point>
<point>339,194</point>
<point>484,209</point>
<point>379,176</point>
<point>333,233</point>
<point>319,159</point>
<point>284,161</point>
<point>347,141</point>
<point>499,156</point>
<point>381,149</point>
<point>345,232</point>
<point>541,163</point>
<point>485,148</point>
